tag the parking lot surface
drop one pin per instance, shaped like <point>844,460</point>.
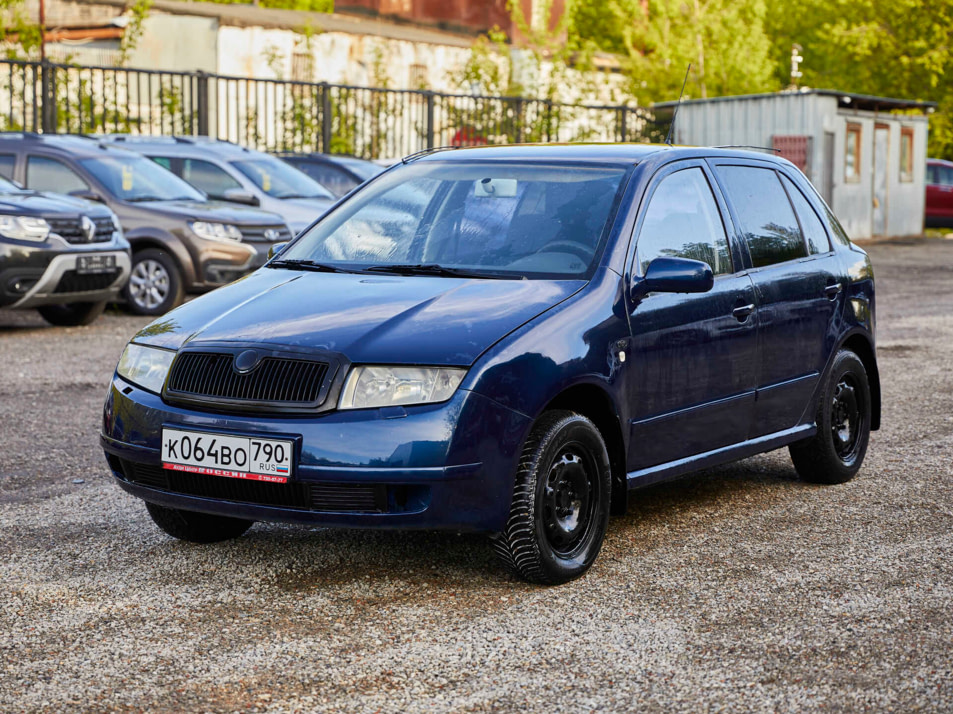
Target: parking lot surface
<point>737,589</point>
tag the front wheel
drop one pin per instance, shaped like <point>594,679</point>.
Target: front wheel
<point>834,454</point>
<point>560,506</point>
<point>72,315</point>
<point>196,527</point>
<point>155,283</point>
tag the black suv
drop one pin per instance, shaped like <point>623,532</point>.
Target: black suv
<point>64,256</point>
<point>180,240</point>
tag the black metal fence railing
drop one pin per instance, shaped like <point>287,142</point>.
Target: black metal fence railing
<point>281,115</point>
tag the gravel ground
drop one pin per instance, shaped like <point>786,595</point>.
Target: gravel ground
<point>737,589</point>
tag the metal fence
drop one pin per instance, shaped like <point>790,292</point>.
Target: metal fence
<point>281,115</point>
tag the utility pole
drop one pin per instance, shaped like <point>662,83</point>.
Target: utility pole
<point>42,30</point>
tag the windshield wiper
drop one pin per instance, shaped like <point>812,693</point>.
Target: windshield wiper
<point>137,199</point>
<point>434,269</point>
<point>308,265</point>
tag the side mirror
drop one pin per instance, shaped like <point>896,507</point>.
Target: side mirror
<point>87,194</point>
<point>240,195</point>
<point>276,249</point>
<point>674,275</point>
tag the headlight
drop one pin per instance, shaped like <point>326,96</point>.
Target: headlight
<point>380,386</point>
<point>145,366</point>
<point>215,231</point>
<point>24,228</point>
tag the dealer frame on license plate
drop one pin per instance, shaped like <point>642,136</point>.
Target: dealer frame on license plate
<point>91,264</point>
<point>253,458</point>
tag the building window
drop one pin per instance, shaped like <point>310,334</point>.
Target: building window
<point>852,154</point>
<point>906,153</point>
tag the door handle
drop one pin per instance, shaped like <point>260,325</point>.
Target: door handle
<point>831,291</point>
<point>741,313</point>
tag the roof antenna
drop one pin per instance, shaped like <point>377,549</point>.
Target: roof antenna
<point>671,127</point>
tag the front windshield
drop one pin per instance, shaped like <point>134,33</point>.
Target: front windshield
<point>281,180</point>
<point>362,169</point>
<point>132,177</point>
<point>508,219</point>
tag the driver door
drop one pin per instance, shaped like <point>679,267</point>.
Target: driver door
<point>693,356</point>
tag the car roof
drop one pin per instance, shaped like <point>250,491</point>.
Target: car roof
<point>939,162</point>
<point>77,146</point>
<point>190,146</point>
<point>600,153</point>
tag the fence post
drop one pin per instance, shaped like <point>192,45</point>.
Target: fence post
<point>623,115</point>
<point>519,120</point>
<point>201,100</point>
<point>326,118</point>
<point>430,126</point>
<point>48,97</point>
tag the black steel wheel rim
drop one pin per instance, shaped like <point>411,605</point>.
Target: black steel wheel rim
<point>846,418</point>
<point>569,499</point>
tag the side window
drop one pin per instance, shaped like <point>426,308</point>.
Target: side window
<point>7,162</point>
<point>814,233</point>
<point>163,161</point>
<point>765,214</point>
<point>45,174</point>
<point>331,177</point>
<point>946,176</point>
<point>682,221</point>
<point>208,177</point>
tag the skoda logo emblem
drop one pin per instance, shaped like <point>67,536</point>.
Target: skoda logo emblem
<point>272,234</point>
<point>88,227</point>
<point>246,361</point>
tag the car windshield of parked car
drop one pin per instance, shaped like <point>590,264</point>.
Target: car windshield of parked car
<point>135,178</point>
<point>281,180</point>
<point>491,219</point>
<point>360,168</point>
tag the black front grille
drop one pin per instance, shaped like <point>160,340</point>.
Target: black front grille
<point>210,376</point>
<point>302,496</point>
<point>73,282</point>
<point>71,229</point>
<point>257,234</point>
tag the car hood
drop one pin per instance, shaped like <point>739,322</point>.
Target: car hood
<point>31,203</point>
<point>368,319</point>
<point>220,212</point>
<point>302,212</point>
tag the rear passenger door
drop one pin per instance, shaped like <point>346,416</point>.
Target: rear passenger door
<point>799,283</point>
<point>692,373</point>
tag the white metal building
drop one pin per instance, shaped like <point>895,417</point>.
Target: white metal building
<point>866,155</point>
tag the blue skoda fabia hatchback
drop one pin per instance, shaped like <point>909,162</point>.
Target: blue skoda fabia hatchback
<point>508,340</point>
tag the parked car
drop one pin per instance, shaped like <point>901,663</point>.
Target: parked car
<point>556,326</point>
<point>338,174</point>
<point>63,256</point>
<point>181,242</point>
<point>939,202</point>
<point>229,172</point>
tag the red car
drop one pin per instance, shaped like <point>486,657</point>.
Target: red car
<point>939,206</point>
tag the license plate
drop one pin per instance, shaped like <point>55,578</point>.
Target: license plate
<point>245,457</point>
<point>86,264</point>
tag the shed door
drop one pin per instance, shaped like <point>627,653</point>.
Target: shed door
<point>881,142</point>
<point>827,177</point>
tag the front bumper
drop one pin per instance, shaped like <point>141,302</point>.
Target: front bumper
<point>60,283</point>
<point>443,466</point>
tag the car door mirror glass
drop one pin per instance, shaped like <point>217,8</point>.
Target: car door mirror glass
<point>276,249</point>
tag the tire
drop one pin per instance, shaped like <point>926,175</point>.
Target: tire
<point>72,315</point>
<point>155,283</point>
<point>561,499</point>
<point>197,527</point>
<point>836,452</point>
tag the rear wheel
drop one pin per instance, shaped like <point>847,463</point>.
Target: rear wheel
<point>197,527</point>
<point>155,283</point>
<point>72,315</point>
<point>560,506</point>
<point>835,453</point>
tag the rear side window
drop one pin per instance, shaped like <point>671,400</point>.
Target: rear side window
<point>331,177</point>
<point>765,214</point>
<point>7,162</point>
<point>208,177</point>
<point>814,233</point>
<point>682,221</point>
<point>45,174</point>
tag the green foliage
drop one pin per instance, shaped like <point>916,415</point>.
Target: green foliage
<point>133,31</point>
<point>21,35</point>
<point>309,5</point>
